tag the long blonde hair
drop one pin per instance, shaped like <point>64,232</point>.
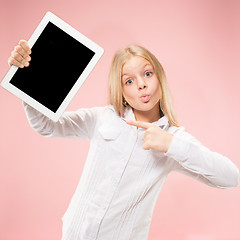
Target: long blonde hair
<point>115,83</point>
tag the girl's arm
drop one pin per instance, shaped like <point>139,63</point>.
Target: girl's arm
<point>190,156</point>
<point>197,161</point>
<point>78,124</point>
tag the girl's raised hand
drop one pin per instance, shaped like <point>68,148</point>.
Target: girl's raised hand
<point>154,138</point>
<point>20,55</point>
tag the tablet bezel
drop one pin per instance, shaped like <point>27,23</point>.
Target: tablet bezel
<point>50,17</point>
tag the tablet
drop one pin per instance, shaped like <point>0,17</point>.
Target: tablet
<point>61,60</point>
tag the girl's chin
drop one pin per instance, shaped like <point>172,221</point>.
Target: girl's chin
<point>146,107</point>
<point>143,108</point>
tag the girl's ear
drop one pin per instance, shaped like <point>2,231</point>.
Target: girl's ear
<point>125,103</point>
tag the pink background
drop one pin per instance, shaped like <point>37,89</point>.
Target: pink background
<point>197,43</point>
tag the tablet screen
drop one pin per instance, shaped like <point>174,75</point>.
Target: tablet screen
<point>57,62</point>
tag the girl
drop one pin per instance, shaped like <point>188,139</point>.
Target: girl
<point>135,143</point>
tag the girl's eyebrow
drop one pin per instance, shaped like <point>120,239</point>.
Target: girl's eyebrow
<point>124,74</point>
<point>148,64</point>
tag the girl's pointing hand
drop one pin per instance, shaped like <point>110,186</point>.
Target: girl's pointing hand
<point>154,138</point>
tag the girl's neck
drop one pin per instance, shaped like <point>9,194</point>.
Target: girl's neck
<point>150,116</point>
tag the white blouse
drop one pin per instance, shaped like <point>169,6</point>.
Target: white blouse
<point>120,182</point>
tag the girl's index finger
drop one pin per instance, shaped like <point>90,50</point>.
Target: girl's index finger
<point>25,46</point>
<point>139,124</point>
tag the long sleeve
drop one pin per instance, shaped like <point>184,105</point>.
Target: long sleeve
<point>197,161</point>
<point>77,124</point>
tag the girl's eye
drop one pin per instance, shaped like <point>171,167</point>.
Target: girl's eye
<point>129,81</point>
<point>148,74</point>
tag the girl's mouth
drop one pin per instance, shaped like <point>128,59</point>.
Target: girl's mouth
<point>145,98</point>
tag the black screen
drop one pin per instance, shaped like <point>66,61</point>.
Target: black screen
<point>57,61</point>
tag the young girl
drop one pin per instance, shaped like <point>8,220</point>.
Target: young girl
<point>135,143</point>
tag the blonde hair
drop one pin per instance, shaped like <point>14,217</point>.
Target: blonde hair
<point>115,83</point>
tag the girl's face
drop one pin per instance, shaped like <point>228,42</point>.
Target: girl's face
<point>141,87</point>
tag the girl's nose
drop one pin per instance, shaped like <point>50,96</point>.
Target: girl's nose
<point>141,83</point>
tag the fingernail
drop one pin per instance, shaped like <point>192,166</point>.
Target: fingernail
<point>26,64</point>
<point>29,52</point>
<point>28,58</point>
<point>21,66</point>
